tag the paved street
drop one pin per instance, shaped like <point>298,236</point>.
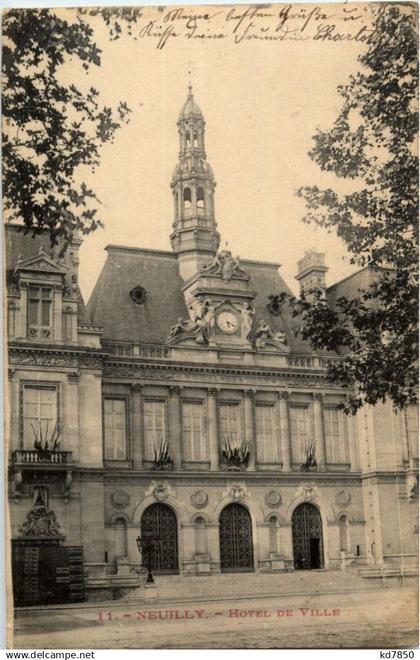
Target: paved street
<point>379,619</point>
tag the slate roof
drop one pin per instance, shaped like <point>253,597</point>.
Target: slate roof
<point>351,286</point>
<point>17,245</point>
<point>111,307</point>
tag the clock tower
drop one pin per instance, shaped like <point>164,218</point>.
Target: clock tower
<point>195,238</point>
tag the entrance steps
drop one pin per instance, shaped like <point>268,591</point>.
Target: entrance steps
<point>232,586</point>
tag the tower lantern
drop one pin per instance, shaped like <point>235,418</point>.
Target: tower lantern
<point>194,238</point>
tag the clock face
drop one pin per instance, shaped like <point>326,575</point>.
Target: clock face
<point>227,322</point>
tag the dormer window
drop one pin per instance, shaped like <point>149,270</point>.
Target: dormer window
<point>39,311</point>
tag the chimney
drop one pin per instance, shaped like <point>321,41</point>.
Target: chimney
<point>311,271</point>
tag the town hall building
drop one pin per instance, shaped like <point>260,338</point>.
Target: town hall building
<point>179,407</point>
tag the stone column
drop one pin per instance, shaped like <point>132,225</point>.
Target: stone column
<point>319,430</point>
<point>21,327</point>
<point>70,441</point>
<point>250,427</point>
<point>137,439</point>
<point>352,442</point>
<point>213,430</point>
<point>15,439</point>
<point>175,449</point>
<point>58,313</point>
<point>286,449</point>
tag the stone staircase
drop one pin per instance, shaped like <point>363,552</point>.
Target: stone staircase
<point>232,586</point>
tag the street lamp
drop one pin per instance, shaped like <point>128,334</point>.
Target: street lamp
<point>145,545</point>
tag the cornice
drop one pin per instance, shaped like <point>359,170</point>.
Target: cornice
<point>142,369</point>
<point>211,373</point>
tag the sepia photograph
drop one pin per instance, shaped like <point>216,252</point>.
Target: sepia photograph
<point>211,326</point>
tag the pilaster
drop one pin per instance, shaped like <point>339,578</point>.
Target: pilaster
<point>175,449</point>
<point>319,430</point>
<point>250,427</point>
<point>285,440</point>
<point>213,428</point>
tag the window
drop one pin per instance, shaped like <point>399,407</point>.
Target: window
<point>39,307</point>
<point>195,139</point>
<point>154,428</point>
<point>334,436</point>
<point>188,138</point>
<point>200,198</point>
<point>267,443</point>
<point>39,414</point>
<point>187,198</point>
<point>115,429</point>
<point>300,431</point>
<point>229,424</point>
<point>195,441</point>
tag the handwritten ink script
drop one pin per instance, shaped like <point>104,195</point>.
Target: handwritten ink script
<point>261,23</point>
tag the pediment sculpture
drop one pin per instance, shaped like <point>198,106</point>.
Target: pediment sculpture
<point>200,323</point>
<point>225,265</point>
<point>264,334</point>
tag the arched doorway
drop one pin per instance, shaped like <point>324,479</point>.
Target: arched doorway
<point>158,524</point>
<point>308,550</point>
<point>235,536</point>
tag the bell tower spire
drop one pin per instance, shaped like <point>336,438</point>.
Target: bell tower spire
<point>195,238</point>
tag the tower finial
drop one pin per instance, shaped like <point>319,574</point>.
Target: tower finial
<point>189,83</point>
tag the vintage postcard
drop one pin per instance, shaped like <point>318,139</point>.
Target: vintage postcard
<point>211,402</point>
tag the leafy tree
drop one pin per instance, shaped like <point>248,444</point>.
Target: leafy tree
<point>50,127</point>
<point>373,142</point>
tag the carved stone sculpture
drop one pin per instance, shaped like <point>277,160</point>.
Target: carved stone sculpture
<point>247,316</point>
<point>264,333</point>
<point>222,264</point>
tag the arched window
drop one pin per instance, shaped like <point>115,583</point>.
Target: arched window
<point>200,198</point>
<point>120,537</point>
<point>187,198</point>
<point>344,533</point>
<point>200,536</point>
<point>195,139</point>
<point>188,139</point>
<point>273,534</point>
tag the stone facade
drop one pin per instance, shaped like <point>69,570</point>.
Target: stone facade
<point>180,405</point>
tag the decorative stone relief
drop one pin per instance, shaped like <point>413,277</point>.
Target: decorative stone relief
<point>52,359</point>
<point>160,490</point>
<point>308,491</point>
<point>273,499</point>
<point>236,492</point>
<point>136,388</point>
<point>41,522</point>
<point>343,498</point>
<point>120,499</point>
<point>199,499</point>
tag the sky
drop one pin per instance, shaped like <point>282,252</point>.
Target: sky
<point>262,102</point>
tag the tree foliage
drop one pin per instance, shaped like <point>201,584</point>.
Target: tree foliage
<point>373,143</point>
<point>51,127</point>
